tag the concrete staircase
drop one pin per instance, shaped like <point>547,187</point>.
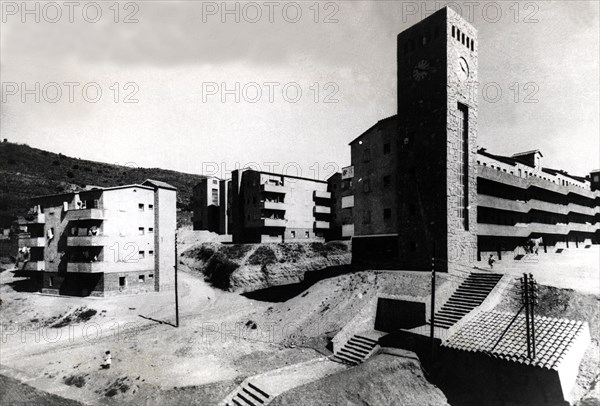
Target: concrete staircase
<point>356,350</point>
<point>470,294</point>
<point>248,394</point>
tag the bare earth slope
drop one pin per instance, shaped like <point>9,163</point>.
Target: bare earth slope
<point>387,379</point>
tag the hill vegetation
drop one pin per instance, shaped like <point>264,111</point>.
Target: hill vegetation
<point>26,172</point>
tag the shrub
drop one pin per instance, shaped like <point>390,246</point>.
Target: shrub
<point>262,256</point>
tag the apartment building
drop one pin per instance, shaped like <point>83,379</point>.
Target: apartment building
<point>519,199</point>
<point>206,201</point>
<point>270,207</point>
<point>102,241</point>
<point>342,203</point>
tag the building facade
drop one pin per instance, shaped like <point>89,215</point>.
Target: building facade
<point>269,207</point>
<point>206,201</point>
<point>103,241</point>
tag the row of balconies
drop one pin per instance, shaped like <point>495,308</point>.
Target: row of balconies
<point>539,228</point>
<point>524,183</point>
<point>77,241</point>
<point>268,222</point>
<point>71,215</point>
<point>533,204</point>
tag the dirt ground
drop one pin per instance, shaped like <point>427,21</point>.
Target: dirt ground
<point>56,344</point>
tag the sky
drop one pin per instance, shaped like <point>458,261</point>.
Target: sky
<point>154,83</point>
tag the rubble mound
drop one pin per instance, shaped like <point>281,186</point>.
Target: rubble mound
<point>250,267</point>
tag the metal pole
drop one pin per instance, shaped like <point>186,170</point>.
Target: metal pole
<point>533,298</point>
<point>176,295</point>
<point>526,283</point>
<point>432,328</point>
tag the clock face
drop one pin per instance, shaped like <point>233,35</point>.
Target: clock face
<point>421,70</point>
<point>463,69</point>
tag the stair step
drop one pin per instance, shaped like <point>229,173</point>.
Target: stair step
<point>236,402</point>
<point>351,353</point>
<point>360,344</point>
<point>346,360</point>
<point>443,317</point>
<point>447,313</point>
<point>252,395</point>
<point>461,312</point>
<point>365,339</point>
<point>465,302</point>
<point>247,401</point>
<point>260,391</point>
<point>356,349</point>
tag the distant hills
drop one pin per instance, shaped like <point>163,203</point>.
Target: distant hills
<point>27,172</point>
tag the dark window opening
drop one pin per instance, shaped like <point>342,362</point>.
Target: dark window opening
<point>387,214</point>
<point>463,166</point>
<point>141,278</point>
<point>387,148</point>
<point>122,281</point>
<point>387,180</point>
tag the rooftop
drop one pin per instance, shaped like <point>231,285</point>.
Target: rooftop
<point>493,334</point>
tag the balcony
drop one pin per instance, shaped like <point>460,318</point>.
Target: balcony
<point>321,225</point>
<point>87,241</point>
<point>32,242</point>
<point>274,222</point>
<point>321,210</point>
<point>317,194</point>
<point>34,266</point>
<point>39,218</point>
<point>271,188</point>
<point>88,267</point>
<point>274,206</point>
<point>86,214</point>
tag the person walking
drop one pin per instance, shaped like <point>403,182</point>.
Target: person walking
<point>491,261</point>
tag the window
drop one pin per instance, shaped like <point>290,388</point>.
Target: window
<point>387,214</point>
<point>150,207</point>
<point>366,217</point>
<point>387,148</point>
<point>141,230</point>
<point>51,281</point>
<point>306,234</point>
<point>215,197</point>
<point>141,278</point>
<point>412,173</point>
<point>215,182</point>
<point>463,166</point>
<point>141,255</point>
<point>366,155</point>
<point>150,253</point>
<point>453,31</point>
<point>141,207</point>
<point>293,234</point>
<point>366,186</point>
<point>412,246</point>
<point>387,180</point>
<point>150,230</point>
<point>412,210</point>
<point>122,281</point>
<point>151,276</point>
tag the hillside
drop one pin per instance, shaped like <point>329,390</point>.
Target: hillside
<point>26,172</point>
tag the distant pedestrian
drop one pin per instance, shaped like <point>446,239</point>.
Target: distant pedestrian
<point>107,360</point>
<point>491,261</point>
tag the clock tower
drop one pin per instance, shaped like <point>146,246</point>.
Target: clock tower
<point>437,117</point>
